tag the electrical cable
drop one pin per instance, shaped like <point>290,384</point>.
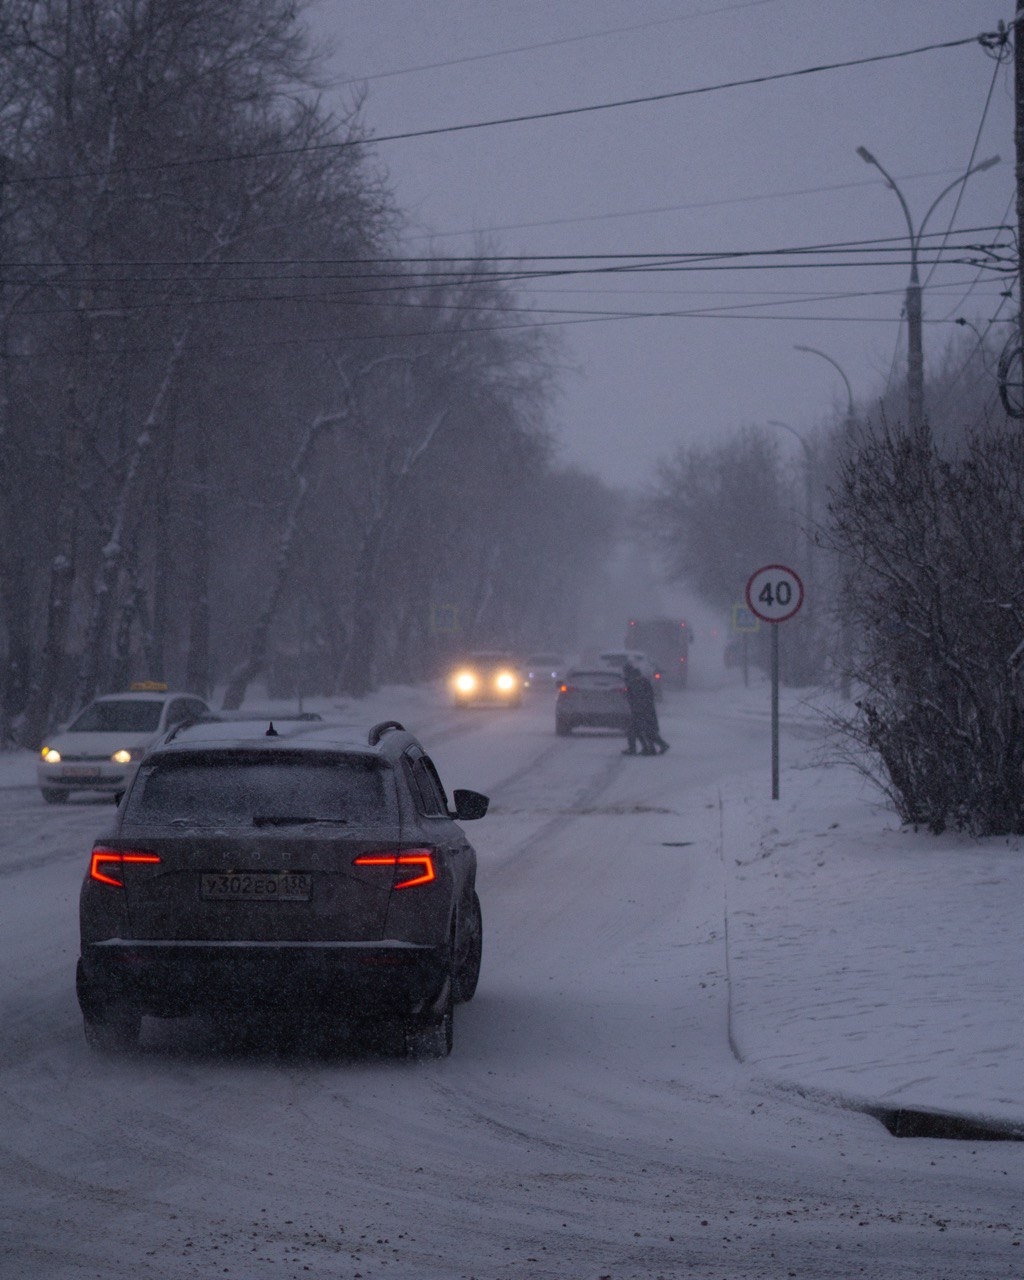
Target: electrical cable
<point>528,118</point>
<point>970,163</point>
<point>549,44</point>
<point>673,208</point>
<point>893,244</point>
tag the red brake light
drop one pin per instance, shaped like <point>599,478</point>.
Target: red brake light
<point>423,859</point>
<point>114,860</point>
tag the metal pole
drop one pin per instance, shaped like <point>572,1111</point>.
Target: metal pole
<point>838,367</point>
<point>915,347</point>
<point>1018,138</point>
<point>915,352</point>
<point>775,710</point>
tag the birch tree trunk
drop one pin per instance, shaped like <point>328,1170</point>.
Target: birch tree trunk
<point>255,660</point>
<point>122,530</point>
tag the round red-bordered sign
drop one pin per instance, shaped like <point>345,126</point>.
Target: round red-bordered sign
<point>774,593</point>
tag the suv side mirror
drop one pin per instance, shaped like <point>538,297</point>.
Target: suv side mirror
<point>469,804</point>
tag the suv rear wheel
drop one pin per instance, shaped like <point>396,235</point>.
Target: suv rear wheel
<point>467,971</point>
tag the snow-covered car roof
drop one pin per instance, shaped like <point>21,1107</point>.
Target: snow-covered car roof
<point>293,733</point>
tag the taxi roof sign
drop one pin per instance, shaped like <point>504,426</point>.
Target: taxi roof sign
<point>148,686</point>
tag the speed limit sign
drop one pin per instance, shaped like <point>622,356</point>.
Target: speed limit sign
<point>774,593</point>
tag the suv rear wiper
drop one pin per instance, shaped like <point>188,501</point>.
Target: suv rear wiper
<point>287,820</point>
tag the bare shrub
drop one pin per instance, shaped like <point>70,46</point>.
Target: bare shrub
<point>934,586</point>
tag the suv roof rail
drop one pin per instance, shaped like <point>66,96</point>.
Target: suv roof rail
<point>187,724</point>
<point>379,730</point>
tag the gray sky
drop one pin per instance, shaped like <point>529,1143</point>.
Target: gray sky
<point>761,167</point>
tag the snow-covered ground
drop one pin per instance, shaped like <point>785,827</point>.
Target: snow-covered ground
<point>688,991</point>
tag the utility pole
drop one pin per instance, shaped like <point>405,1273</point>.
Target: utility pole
<point>1018,138</point>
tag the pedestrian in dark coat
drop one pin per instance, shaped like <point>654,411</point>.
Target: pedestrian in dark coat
<point>643,714</point>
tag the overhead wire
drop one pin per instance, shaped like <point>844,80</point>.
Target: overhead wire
<point>526,118</point>
<point>670,208</point>
<point>971,159</point>
<point>550,44</point>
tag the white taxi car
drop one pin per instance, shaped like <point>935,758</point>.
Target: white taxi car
<point>101,748</point>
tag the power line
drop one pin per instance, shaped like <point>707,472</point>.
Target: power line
<point>893,244</point>
<point>549,44</point>
<point>674,208</point>
<point>970,161</point>
<point>528,118</point>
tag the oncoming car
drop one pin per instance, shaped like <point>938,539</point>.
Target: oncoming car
<point>543,670</point>
<point>253,869</point>
<point>101,748</point>
<point>487,677</point>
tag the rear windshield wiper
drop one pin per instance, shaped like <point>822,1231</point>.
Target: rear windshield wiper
<point>288,820</point>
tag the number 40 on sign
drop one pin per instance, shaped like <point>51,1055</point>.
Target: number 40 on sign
<point>774,593</point>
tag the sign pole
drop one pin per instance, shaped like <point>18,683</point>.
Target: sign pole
<point>775,711</point>
<point>774,594</point>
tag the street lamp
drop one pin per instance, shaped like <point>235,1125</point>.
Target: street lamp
<point>809,461</point>
<point>915,353</point>
<point>835,365</point>
<point>809,471</point>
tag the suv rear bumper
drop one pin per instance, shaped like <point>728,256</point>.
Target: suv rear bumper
<point>174,979</point>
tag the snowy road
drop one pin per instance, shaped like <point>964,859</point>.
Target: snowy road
<point>592,1121</point>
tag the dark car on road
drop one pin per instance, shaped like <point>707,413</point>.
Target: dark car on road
<point>290,870</point>
<point>593,698</point>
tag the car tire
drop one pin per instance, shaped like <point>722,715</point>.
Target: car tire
<point>467,971</point>
<point>55,795</point>
<point>563,728</point>
<point>115,1031</point>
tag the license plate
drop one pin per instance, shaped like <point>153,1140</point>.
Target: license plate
<point>80,771</point>
<point>248,886</point>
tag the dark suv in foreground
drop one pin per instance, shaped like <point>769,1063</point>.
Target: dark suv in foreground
<point>254,869</point>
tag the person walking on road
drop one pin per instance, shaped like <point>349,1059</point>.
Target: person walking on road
<point>643,715</point>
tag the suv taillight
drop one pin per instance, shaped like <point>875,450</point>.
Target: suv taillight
<point>411,866</point>
<point>105,864</point>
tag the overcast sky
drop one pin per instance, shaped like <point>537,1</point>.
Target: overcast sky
<point>758,167</point>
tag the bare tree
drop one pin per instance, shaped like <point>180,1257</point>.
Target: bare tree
<point>935,585</point>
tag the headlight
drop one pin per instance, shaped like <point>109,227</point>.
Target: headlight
<point>50,755</point>
<point>121,757</point>
<point>505,681</point>
<point>465,682</point>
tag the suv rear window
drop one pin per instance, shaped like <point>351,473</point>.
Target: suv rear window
<point>261,789</point>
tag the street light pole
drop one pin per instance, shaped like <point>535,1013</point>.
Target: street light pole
<point>915,310</point>
<point>809,469</point>
<point>845,638</point>
<point>838,367</point>
<point>808,479</point>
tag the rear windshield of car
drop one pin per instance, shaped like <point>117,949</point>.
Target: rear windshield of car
<point>129,716</point>
<point>595,679</point>
<point>259,789</point>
